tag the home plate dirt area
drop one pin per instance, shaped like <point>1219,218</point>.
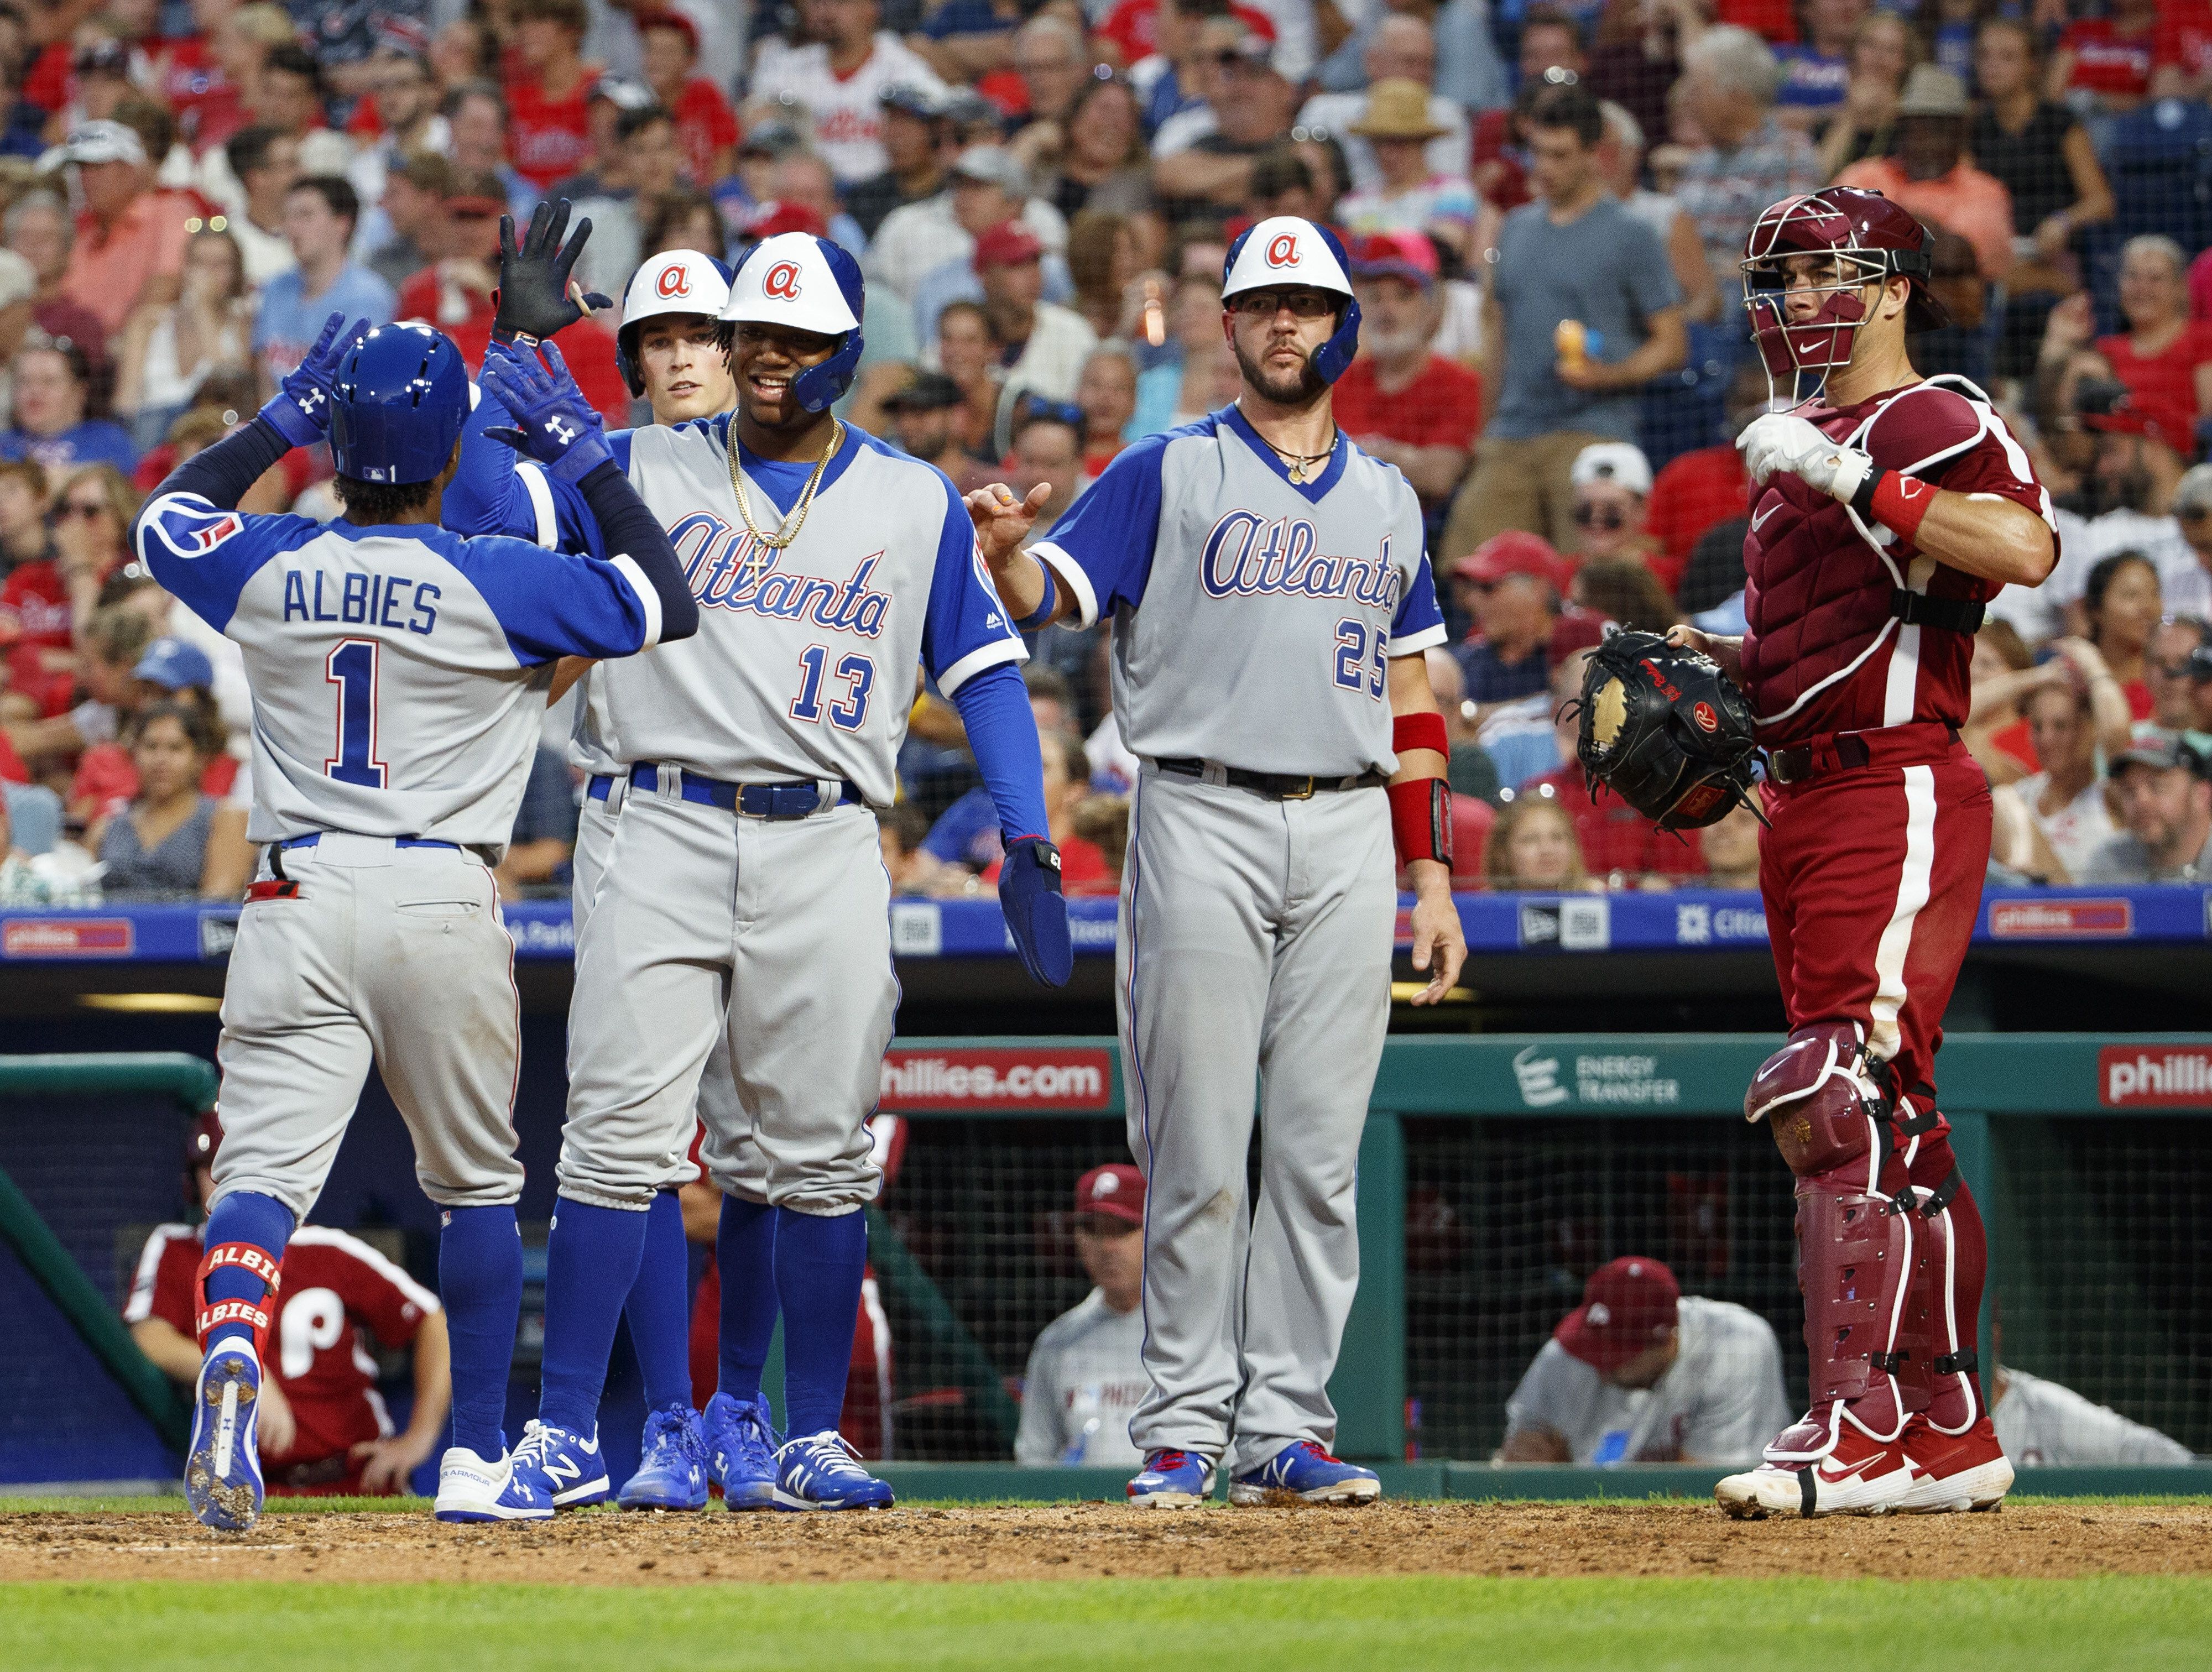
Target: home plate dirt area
<point>1085,1541</point>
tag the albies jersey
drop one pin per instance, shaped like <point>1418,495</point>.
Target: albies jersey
<point>1254,617</point>
<point>398,673</point>
<point>805,663</point>
<point>1824,653</point>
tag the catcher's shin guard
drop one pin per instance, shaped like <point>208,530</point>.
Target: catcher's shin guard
<point>1821,1097</point>
<point>1943,1299</point>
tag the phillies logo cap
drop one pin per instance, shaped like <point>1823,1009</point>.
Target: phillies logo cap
<point>1283,249</point>
<point>677,282</point>
<point>788,280</point>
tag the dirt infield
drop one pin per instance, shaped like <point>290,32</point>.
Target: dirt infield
<point>1097,1540</point>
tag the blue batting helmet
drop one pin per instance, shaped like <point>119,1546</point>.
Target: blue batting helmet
<point>809,283</point>
<point>401,395</point>
<point>1283,251</point>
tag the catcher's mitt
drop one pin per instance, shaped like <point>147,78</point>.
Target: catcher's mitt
<point>1665,730</point>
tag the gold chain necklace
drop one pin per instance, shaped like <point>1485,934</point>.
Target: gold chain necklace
<point>787,530</point>
<point>1302,463</point>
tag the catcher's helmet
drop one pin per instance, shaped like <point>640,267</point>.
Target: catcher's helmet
<point>1283,251</point>
<point>401,396</point>
<point>1871,239</point>
<point>678,282</point>
<point>808,283</point>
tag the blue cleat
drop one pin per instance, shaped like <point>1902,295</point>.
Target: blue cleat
<point>222,1469</point>
<point>471,1488</point>
<point>1172,1480</point>
<point>555,1466</point>
<point>741,1451</point>
<point>823,1471</point>
<point>1304,1470</point>
<point>672,1473</point>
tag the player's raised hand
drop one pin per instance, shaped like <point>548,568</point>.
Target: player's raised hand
<point>553,422</point>
<point>536,296</point>
<point>1784,442</point>
<point>1002,521</point>
<point>300,408</point>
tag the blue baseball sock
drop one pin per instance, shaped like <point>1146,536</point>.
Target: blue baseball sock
<point>744,1258</point>
<point>819,1263</point>
<point>480,1285</point>
<point>590,1261</point>
<point>657,1308</point>
<point>260,1221</point>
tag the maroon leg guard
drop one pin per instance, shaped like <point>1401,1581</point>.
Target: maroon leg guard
<point>1944,1300</point>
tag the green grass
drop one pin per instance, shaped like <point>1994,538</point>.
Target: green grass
<point>1331,1624</point>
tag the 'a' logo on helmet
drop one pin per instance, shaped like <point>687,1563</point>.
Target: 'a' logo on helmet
<point>782,282</point>
<point>1283,250</point>
<point>675,282</point>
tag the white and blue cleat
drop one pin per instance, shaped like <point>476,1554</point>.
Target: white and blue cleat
<point>741,1450</point>
<point>672,1469</point>
<point>823,1471</point>
<point>471,1488</point>
<point>222,1468</point>
<point>556,1466</point>
<point>1172,1480</point>
<point>1305,1471</point>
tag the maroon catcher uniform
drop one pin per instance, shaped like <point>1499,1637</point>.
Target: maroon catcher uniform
<point>1856,667</point>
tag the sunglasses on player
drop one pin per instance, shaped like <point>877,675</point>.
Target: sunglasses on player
<point>1266,304</point>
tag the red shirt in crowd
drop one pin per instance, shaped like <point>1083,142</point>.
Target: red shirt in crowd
<point>1614,836</point>
<point>2106,61</point>
<point>12,769</point>
<point>587,345</point>
<point>1135,27</point>
<point>704,124</point>
<point>209,108</point>
<point>1694,491</point>
<point>2183,38</point>
<point>1441,407</point>
<point>1776,20</point>
<point>106,781</point>
<point>1083,869</point>
<point>2164,385</point>
<point>336,1293</point>
<point>548,139</point>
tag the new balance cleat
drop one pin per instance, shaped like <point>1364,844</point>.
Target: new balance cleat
<point>222,1469</point>
<point>1859,1476</point>
<point>671,1472</point>
<point>1966,1471</point>
<point>565,1468</point>
<point>741,1450</point>
<point>823,1471</point>
<point>1172,1480</point>
<point>471,1489</point>
<point>1305,1471</point>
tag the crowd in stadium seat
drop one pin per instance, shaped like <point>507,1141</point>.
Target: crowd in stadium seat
<point>1544,205</point>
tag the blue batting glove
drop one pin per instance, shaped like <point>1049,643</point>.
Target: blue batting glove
<point>1036,911</point>
<point>300,408</point>
<point>553,422</point>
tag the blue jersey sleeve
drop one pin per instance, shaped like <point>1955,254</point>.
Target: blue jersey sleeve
<point>552,603</point>
<point>1418,622</point>
<point>1101,550</point>
<point>1002,732</point>
<point>204,555</point>
<point>497,491</point>
<point>966,629</point>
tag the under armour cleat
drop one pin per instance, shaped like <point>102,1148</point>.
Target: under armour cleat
<point>1172,1480</point>
<point>741,1450</point>
<point>222,1469</point>
<point>564,1469</point>
<point>1966,1471</point>
<point>672,1473</point>
<point>823,1471</point>
<point>1304,1470</point>
<point>469,1488</point>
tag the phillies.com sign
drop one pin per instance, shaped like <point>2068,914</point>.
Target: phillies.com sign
<point>997,1078</point>
<point>2154,1077</point>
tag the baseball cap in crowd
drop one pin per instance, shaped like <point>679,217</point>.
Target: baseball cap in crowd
<point>2194,491</point>
<point>775,215</point>
<point>174,665</point>
<point>476,193</point>
<point>103,57</point>
<point>96,142</point>
<point>1619,462</point>
<point>913,100</point>
<point>2156,747</point>
<point>1405,255</point>
<point>623,93</point>
<point>1930,91</point>
<point>1116,1191</point>
<point>771,138</point>
<point>1225,39</point>
<point>1515,551</point>
<point>1007,245</point>
<point>930,391</point>
<point>992,164</point>
<point>1627,1305</point>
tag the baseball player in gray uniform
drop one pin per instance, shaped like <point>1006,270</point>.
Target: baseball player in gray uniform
<point>1270,601</point>
<point>744,897</point>
<point>399,675</point>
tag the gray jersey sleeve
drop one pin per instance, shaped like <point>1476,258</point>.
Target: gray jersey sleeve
<point>1741,1404</point>
<point>1557,1392</point>
<point>1038,1442</point>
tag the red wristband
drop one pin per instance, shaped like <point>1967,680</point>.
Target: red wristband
<point>1421,821</point>
<point>1422,731</point>
<point>1901,502</point>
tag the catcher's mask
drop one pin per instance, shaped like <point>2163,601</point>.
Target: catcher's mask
<point>1869,239</point>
